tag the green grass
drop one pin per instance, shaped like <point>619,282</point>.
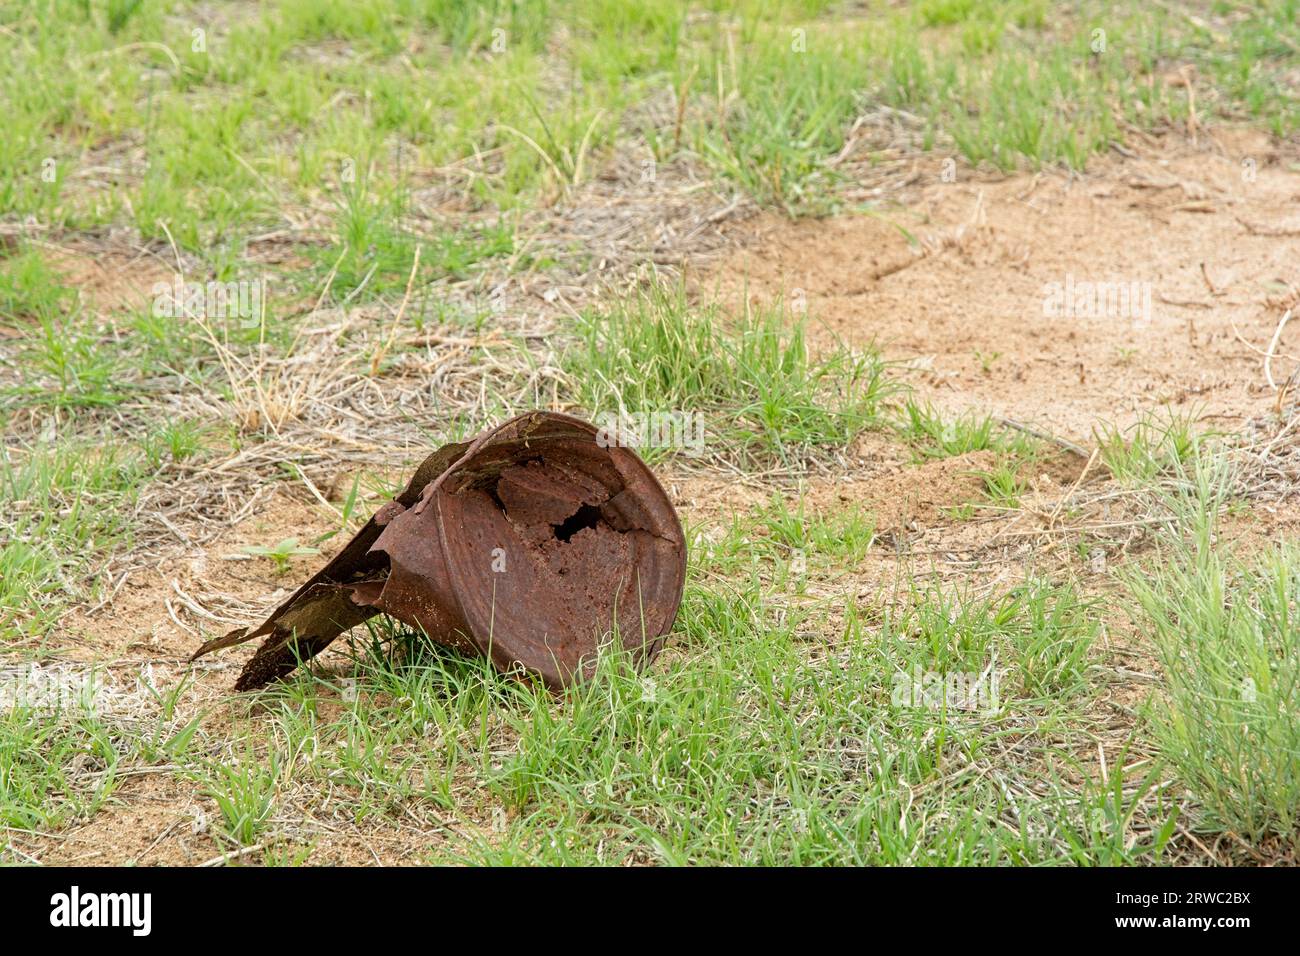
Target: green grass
<point>841,538</point>
<point>31,290</point>
<point>1157,444</point>
<point>56,766</point>
<point>1039,633</point>
<point>174,441</point>
<point>524,99</point>
<point>1004,483</point>
<point>759,739</point>
<point>1227,716</point>
<point>66,508</point>
<point>754,751</point>
<point>755,380</point>
<point>751,743</point>
<point>70,364</point>
<point>931,435</point>
<point>1253,64</point>
<point>244,792</point>
<point>376,250</point>
<point>747,749</point>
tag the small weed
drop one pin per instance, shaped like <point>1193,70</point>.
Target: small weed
<point>932,436</point>
<point>1157,444</point>
<point>282,553</point>
<point>244,792</point>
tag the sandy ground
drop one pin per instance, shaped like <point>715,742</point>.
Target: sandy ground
<point>955,282</point>
<point>950,281</point>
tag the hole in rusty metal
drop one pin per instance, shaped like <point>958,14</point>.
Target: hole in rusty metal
<point>587,516</point>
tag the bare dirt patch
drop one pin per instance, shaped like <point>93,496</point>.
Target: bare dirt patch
<point>909,497</point>
<point>169,609</point>
<point>110,279</point>
<point>954,283</point>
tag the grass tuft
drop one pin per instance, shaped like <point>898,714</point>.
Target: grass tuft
<point>1226,629</point>
<point>754,380</point>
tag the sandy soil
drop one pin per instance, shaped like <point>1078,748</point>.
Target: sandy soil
<point>951,282</point>
<point>955,280</point>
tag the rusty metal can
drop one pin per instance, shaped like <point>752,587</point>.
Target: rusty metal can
<point>532,544</point>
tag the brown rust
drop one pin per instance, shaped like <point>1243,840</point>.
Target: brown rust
<point>530,544</point>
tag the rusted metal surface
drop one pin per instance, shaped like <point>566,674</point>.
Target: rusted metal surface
<point>530,544</point>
